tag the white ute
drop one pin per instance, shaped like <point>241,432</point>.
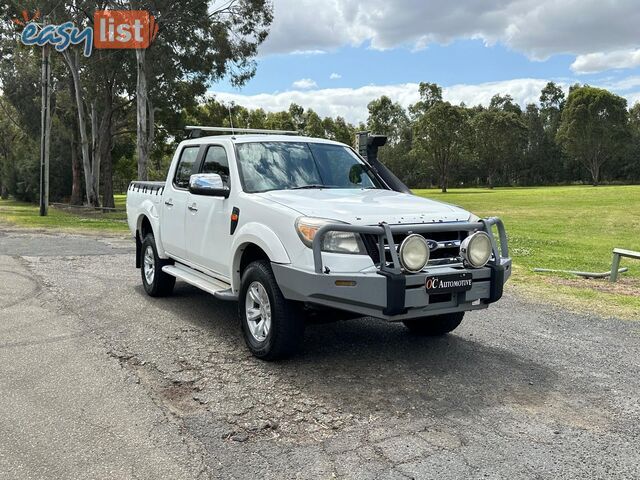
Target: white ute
<point>288,225</point>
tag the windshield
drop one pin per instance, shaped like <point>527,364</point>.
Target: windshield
<point>296,165</point>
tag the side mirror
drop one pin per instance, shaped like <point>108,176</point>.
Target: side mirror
<point>209,184</point>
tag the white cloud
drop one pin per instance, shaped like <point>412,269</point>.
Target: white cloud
<point>351,103</point>
<point>523,91</point>
<point>304,84</point>
<point>537,28</point>
<point>600,61</point>
<point>633,98</point>
<point>621,85</point>
<point>335,76</point>
<point>308,52</point>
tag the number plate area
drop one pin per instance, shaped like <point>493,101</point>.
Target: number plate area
<point>458,282</point>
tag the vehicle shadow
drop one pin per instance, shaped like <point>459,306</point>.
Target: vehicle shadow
<point>367,365</point>
<point>381,366</point>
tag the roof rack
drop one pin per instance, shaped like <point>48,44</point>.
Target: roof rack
<point>195,131</point>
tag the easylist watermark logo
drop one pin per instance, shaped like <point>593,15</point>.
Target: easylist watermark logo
<point>112,29</point>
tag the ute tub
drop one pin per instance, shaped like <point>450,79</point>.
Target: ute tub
<point>388,292</point>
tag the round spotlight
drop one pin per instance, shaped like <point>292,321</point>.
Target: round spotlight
<point>414,253</point>
<point>476,249</point>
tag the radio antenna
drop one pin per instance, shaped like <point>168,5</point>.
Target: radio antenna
<point>231,118</point>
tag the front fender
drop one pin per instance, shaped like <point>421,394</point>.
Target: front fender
<point>263,237</point>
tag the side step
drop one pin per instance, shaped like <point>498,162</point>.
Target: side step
<point>217,288</point>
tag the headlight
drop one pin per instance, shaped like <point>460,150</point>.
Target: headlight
<point>335,242</point>
<point>414,253</point>
<point>476,249</point>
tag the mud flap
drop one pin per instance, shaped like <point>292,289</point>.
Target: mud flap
<point>138,252</point>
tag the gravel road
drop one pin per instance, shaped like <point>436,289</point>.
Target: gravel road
<point>97,380</point>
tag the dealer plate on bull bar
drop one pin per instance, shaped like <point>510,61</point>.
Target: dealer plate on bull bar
<point>458,282</point>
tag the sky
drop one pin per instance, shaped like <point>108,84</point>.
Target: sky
<point>335,56</point>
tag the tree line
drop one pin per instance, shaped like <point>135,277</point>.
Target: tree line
<point>587,136</point>
<point>118,114</point>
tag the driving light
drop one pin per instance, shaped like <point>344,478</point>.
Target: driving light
<point>334,242</point>
<point>476,249</point>
<point>414,253</point>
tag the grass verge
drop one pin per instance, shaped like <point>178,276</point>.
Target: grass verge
<point>565,228</point>
<point>26,215</point>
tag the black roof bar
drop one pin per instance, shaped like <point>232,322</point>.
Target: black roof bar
<point>195,131</point>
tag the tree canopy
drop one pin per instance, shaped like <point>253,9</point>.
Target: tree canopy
<point>593,128</point>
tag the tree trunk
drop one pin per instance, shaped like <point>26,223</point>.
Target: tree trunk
<point>76,176</point>
<point>4,191</point>
<point>595,172</point>
<point>95,154</point>
<point>142,107</point>
<point>4,168</point>
<point>76,183</point>
<point>444,180</point>
<point>151,128</point>
<point>72,62</point>
<point>105,145</point>
<point>45,146</point>
<point>107,185</point>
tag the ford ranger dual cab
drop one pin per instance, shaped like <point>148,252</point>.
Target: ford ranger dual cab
<point>285,225</point>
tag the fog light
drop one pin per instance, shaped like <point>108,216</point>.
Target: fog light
<point>414,253</point>
<point>476,249</point>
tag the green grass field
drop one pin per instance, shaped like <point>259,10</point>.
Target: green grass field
<point>27,215</point>
<point>567,228</point>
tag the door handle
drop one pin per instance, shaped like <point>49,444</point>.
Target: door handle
<point>168,203</point>
<point>192,208</point>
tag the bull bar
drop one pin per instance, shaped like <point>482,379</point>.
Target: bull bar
<point>396,277</point>
<point>385,232</point>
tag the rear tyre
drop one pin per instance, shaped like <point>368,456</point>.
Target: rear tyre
<point>156,282</point>
<point>271,325</point>
<point>434,326</point>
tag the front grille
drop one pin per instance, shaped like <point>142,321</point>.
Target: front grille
<point>371,244</point>
<point>448,250</point>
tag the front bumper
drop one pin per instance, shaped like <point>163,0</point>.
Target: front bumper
<point>388,292</point>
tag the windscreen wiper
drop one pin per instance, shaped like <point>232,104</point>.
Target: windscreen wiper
<point>304,187</point>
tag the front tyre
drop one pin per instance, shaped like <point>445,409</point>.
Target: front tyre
<point>271,327</point>
<point>156,282</point>
<point>434,326</point>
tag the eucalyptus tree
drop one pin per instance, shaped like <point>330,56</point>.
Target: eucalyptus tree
<point>430,94</point>
<point>551,104</point>
<point>631,167</point>
<point>387,117</point>
<point>499,138</point>
<point>593,128</point>
<point>439,136</point>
